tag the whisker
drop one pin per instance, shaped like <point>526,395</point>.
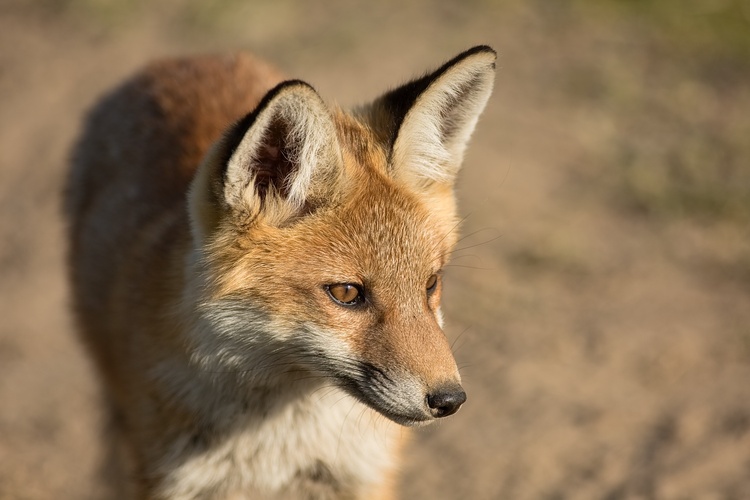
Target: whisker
<point>496,237</point>
<point>472,267</point>
<point>456,340</point>
<point>455,226</point>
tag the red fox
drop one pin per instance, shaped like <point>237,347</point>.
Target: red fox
<point>257,275</point>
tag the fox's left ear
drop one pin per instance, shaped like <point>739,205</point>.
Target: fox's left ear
<point>279,163</point>
<point>428,122</point>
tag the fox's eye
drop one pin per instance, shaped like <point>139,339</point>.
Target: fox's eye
<point>345,294</point>
<point>432,282</point>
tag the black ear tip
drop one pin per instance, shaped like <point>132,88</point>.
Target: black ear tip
<point>479,49</point>
<point>287,84</point>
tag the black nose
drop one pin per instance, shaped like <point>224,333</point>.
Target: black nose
<point>444,402</point>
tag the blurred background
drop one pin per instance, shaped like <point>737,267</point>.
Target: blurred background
<point>600,301</point>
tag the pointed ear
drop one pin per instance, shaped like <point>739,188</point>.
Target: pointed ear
<point>428,122</point>
<point>277,163</point>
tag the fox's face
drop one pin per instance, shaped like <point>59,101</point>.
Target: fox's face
<point>323,238</point>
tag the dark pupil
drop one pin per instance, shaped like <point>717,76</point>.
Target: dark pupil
<point>346,293</point>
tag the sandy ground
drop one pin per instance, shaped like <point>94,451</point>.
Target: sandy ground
<point>601,315</point>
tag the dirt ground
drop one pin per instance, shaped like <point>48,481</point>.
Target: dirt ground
<point>600,302</point>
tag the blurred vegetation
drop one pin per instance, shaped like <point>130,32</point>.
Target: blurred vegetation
<point>673,86</point>
<point>719,27</point>
<point>695,159</point>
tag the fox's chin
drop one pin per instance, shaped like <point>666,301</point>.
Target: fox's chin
<point>407,420</point>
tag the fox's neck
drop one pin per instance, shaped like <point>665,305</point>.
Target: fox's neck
<point>280,439</point>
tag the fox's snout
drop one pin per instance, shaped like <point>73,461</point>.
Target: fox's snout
<point>408,373</point>
<point>403,397</point>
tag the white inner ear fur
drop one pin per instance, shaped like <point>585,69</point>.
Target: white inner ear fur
<point>423,152</point>
<point>311,146</point>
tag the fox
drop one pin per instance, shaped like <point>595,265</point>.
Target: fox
<point>256,274</point>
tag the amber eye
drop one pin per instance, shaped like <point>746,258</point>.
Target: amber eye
<point>432,282</point>
<point>345,294</point>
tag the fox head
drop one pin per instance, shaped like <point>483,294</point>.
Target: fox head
<point>321,237</point>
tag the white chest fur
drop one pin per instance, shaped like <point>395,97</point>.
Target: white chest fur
<point>326,442</point>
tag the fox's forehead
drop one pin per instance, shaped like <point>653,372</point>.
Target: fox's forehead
<point>379,232</point>
<point>361,149</point>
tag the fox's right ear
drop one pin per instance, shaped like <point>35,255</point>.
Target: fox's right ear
<point>426,123</point>
<point>278,162</point>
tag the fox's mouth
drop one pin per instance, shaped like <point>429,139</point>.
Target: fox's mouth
<point>373,387</point>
